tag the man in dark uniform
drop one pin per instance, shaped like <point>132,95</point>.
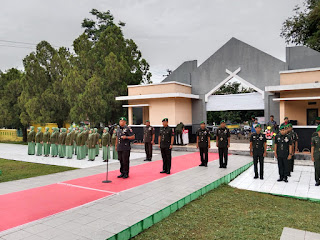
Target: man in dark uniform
<point>203,143</point>
<point>166,138</point>
<point>294,137</point>
<point>148,139</point>
<point>258,150</point>
<point>315,155</point>
<point>283,152</point>
<point>286,122</point>
<point>123,147</point>
<point>223,143</point>
<point>179,130</point>
<point>317,123</point>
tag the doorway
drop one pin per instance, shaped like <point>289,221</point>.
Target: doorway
<point>312,114</point>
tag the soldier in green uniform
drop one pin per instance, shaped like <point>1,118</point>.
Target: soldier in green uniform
<point>317,124</point>
<point>46,142</point>
<point>95,131</point>
<point>105,143</point>
<point>148,139</point>
<point>203,143</point>
<point>39,141</point>
<point>258,150</point>
<point>92,140</point>
<point>315,155</point>
<point>72,131</point>
<point>179,130</point>
<point>223,143</point>
<point>76,131</point>
<point>166,139</point>
<point>85,136</point>
<point>31,141</point>
<point>113,143</point>
<point>294,138</point>
<point>62,143</point>
<point>69,144</point>
<point>79,142</point>
<point>54,140</point>
<point>124,136</point>
<point>283,152</point>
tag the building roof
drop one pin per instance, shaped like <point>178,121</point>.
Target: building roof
<point>293,87</point>
<point>161,95</point>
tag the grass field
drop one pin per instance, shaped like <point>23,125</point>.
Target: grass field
<point>14,170</point>
<point>229,213</point>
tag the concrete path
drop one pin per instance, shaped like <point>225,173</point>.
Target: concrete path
<point>125,212</point>
<point>295,234</point>
<point>19,152</point>
<point>301,184</point>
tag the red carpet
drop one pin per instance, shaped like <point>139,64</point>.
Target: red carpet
<point>25,206</point>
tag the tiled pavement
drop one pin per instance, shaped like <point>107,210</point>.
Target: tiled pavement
<point>295,234</point>
<point>19,152</point>
<point>106,217</point>
<point>300,185</point>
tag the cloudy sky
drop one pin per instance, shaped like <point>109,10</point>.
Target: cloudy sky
<point>168,32</point>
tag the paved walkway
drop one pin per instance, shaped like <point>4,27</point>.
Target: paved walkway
<point>125,210</point>
<point>295,234</point>
<point>19,152</point>
<point>301,184</point>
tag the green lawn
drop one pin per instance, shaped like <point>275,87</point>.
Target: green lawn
<point>22,143</point>
<point>14,170</point>
<point>229,213</point>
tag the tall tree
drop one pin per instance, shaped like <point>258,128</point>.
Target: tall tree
<point>304,27</point>
<point>103,51</point>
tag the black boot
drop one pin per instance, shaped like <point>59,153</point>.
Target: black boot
<point>121,175</point>
<point>280,180</point>
<point>285,179</point>
<point>163,171</point>
<point>317,183</point>
<point>125,175</point>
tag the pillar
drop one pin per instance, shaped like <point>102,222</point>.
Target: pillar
<point>130,116</point>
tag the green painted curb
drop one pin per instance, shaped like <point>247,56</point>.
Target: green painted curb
<point>146,223</point>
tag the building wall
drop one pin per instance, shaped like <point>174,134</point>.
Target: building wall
<point>299,78</point>
<point>158,88</point>
<point>300,57</point>
<point>182,73</point>
<point>297,110</point>
<point>175,109</point>
<point>301,93</point>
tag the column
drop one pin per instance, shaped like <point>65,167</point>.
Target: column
<point>130,115</point>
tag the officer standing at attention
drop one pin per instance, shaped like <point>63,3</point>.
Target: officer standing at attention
<point>258,150</point>
<point>294,137</point>
<point>46,142</point>
<point>223,143</point>
<point>105,143</point>
<point>317,124</point>
<point>69,144</point>
<point>203,143</point>
<point>31,141</point>
<point>123,147</point>
<point>166,139</point>
<point>92,140</point>
<point>283,152</point>
<point>39,141</point>
<point>148,139</point>
<point>315,155</point>
<point>54,142</point>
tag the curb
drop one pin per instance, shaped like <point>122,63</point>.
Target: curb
<point>146,223</point>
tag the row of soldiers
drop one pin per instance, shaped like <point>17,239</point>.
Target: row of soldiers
<point>73,141</point>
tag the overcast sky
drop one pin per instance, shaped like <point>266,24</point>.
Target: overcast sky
<point>168,32</point>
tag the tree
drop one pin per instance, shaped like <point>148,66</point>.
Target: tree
<point>42,98</point>
<point>304,27</point>
<point>103,52</point>
<point>232,88</point>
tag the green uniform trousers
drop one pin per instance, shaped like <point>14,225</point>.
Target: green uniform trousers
<point>39,148</point>
<point>91,153</point>
<point>62,151</point>
<point>31,148</point>
<point>105,152</point>
<point>75,148</point>
<point>78,152</point>
<point>54,150</point>
<point>97,150</point>
<point>46,149</point>
<point>69,150</point>
<point>114,153</point>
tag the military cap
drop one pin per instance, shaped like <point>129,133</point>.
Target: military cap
<point>123,118</point>
<point>289,125</point>
<point>318,118</point>
<point>222,121</point>
<point>285,118</point>
<point>258,125</point>
<point>282,127</point>
<point>318,129</point>
<point>165,120</point>
<point>147,120</point>
<point>202,122</point>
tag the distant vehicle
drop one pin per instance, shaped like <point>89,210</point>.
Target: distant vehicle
<point>247,127</point>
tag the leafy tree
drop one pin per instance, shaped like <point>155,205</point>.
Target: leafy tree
<point>304,27</point>
<point>42,99</point>
<point>232,88</point>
